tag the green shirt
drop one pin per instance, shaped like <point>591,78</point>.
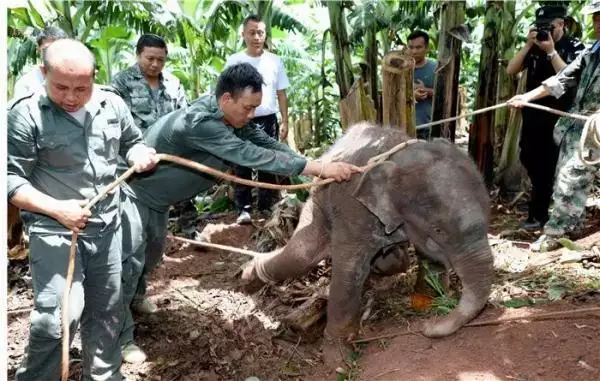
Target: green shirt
<point>50,150</point>
<point>199,133</point>
<point>145,106</point>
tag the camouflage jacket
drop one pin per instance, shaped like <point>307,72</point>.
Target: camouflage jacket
<point>136,92</point>
<point>583,73</point>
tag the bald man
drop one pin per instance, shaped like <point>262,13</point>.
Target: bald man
<point>63,144</point>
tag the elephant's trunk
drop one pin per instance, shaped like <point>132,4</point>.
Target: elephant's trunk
<point>475,270</point>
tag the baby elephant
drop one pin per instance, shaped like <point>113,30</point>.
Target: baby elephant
<point>428,193</point>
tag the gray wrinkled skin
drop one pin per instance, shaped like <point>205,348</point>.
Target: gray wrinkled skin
<point>430,194</point>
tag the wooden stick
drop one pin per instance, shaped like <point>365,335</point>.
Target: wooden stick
<point>548,315</point>
<point>253,254</point>
<point>69,279</point>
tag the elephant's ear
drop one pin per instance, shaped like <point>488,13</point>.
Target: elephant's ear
<point>374,192</point>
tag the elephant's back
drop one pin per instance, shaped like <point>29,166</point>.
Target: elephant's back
<point>363,141</point>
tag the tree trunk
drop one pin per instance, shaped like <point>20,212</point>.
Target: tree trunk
<point>371,60</point>
<point>506,84</point>
<point>398,98</point>
<point>445,99</point>
<point>481,138</point>
<point>340,45</point>
<point>508,174</point>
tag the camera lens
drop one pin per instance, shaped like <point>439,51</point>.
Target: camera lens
<point>542,35</point>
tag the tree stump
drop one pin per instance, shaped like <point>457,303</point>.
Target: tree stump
<point>398,91</point>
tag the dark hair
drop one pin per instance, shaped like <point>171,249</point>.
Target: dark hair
<point>419,33</point>
<point>152,41</point>
<point>236,78</point>
<point>50,33</point>
<point>252,17</point>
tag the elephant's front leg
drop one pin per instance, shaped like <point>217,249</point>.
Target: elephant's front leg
<point>309,245</point>
<point>350,269</point>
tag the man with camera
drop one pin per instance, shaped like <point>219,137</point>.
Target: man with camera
<point>547,51</point>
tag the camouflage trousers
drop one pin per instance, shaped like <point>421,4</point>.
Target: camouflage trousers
<point>572,186</point>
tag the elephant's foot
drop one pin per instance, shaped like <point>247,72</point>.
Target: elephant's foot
<point>466,310</point>
<point>337,352</point>
<point>253,282</point>
<point>440,327</point>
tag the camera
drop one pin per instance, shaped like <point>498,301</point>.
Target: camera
<point>543,32</point>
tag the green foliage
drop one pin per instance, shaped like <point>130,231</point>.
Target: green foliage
<point>301,194</point>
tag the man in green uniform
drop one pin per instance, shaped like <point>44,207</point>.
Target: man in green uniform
<point>573,178</point>
<point>151,92</point>
<point>63,144</point>
<point>213,131</point>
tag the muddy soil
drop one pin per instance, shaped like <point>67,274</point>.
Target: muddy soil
<point>207,328</point>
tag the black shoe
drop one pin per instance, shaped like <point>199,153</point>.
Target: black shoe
<point>531,224</point>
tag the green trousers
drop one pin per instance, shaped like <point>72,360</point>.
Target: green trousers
<point>144,232</point>
<point>571,187</point>
<point>95,301</point>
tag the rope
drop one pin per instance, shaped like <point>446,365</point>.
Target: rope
<point>374,161</point>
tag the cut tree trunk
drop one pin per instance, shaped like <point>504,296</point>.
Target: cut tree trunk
<point>481,137</point>
<point>445,99</point>
<point>398,94</point>
<point>357,106</point>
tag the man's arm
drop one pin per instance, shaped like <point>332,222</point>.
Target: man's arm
<point>21,160</point>
<point>216,138</point>
<point>515,65</point>
<point>132,146</point>
<point>283,109</point>
<point>556,85</point>
<point>548,47</point>
<point>282,83</point>
<point>262,139</point>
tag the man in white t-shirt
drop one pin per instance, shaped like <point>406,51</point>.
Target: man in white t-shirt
<point>33,79</point>
<point>275,81</point>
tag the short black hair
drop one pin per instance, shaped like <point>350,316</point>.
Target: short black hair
<point>417,34</point>
<point>50,33</point>
<point>237,78</point>
<point>252,17</point>
<point>151,41</point>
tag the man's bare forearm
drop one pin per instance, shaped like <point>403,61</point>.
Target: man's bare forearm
<point>515,65</point>
<point>283,105</point>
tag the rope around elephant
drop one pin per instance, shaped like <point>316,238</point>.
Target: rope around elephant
<point>590,126</point>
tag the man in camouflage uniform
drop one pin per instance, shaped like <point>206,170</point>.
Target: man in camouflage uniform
<point>148,90</point>
<point>63,145</point>
<point>151,92</point>
<point>573,178</point>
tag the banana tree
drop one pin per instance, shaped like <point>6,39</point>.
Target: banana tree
<point>481,138</point>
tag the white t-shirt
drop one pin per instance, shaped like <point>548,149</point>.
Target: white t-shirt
<point>28,82</point>
<point>271,68</point>
<point>80,115</point>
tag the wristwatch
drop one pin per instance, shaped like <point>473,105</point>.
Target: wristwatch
<point>551,55</point>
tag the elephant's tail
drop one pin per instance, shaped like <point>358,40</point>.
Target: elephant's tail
<point>476,273</point>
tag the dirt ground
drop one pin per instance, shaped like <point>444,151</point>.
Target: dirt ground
<point>207,328</point>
